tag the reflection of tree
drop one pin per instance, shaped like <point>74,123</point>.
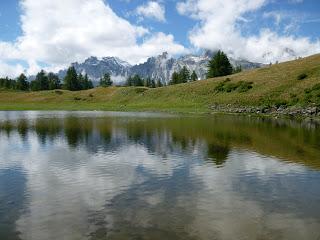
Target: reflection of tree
<point>218,154</point>
<point>47,128</point>
<point>7,127</point>
<point>22,128</point>
<point>165,136</point>
<point>73,131</point>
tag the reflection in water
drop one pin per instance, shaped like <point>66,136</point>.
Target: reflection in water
<point>218,154</point>
<point>121,176</point>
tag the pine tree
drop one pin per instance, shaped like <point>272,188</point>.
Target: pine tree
<point>147,82</point>
<point>184,75</point>
<point>105,81</point>
<point>81,81</point>
<point>34,85</point>
<point>237,69</point>
<point>174,78</point>
<point>159,83</point>
<point>219,65</point>
<point>153,83</point>
<point>87,83</point>
<point>42,80</point>
<point>194,76</point>
<point>22,83</point>
<point>129,81</point>
<point>54,81</point>
<point>70,81</point>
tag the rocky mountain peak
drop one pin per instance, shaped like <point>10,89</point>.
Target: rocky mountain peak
<point>160,67</point>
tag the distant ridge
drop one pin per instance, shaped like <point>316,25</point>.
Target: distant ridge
<point>160,67</point>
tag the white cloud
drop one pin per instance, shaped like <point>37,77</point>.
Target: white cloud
<point>10,70</point>
<point>153,10</point>
<point>219,28</point>
<point>63,31</point>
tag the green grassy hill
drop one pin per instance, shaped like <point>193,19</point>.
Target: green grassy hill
<point>269,86</point>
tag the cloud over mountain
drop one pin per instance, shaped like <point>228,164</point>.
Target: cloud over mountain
<point>62,31</point>
<point>221,25</point>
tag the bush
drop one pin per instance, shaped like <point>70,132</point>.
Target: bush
<point>228,86</point>
<point>312,95</point>
<point>280,103</point>
<point>245,86</point>
<point>302,76</point>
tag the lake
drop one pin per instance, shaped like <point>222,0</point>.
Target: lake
<point>109,175</point>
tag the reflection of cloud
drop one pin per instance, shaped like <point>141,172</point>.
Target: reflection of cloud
<point>121,178</point>
<point>80,183</point>
<point>248,199</point>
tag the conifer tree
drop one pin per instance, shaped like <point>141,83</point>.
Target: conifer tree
<point>219,65</point>
<point>54,81</point>
<point>174,78</point>
<point>105,81</point>
<point>87,83</point>
<point>159,83</point>
<point>194,76</point>
<point>22,83</point>
<point>184,75</point>
<point>153,83</point>
<point>70,81</point>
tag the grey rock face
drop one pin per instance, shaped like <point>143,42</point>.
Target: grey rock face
<point>96,68</point>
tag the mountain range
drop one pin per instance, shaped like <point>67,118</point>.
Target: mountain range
<point>160,67</point>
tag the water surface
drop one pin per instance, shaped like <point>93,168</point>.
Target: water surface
<point>96,175</point>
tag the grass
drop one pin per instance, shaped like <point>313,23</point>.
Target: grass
<point>269,86</point>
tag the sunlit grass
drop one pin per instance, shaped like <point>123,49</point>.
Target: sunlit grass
<point>273,85</point>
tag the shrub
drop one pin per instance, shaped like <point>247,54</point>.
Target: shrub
<point>244,86</point>
<point>227,86</point>
<point>280,103</point>
<point>302,76</point>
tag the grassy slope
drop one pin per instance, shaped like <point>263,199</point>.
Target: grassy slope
<point>270,85</point>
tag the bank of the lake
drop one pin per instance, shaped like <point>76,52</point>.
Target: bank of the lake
<point>276,89</point>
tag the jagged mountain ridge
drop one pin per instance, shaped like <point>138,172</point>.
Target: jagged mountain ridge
<point>160,67</point>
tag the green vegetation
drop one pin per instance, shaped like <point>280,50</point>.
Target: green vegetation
<point>274,85</point>
<point>76,82</point>
<point>105,81</point>
<point>219,66</point>
<point>22,83</point>
<point>312,95</point>
<point>183,76</point>
<point>302,76</point>
<point>135,81</point>
<point>193,77</point>
<point>228,86</point>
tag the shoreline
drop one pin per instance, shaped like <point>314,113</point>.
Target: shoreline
<point>308,114</point>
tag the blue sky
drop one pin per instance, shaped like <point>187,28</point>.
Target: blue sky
<point>36,34</point>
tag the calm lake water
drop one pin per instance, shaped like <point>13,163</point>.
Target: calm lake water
<point>95,175</point>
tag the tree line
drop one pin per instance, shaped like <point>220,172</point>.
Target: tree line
<point>138,81</point>
<point>183,76</point>
<point>218,66</point>
<point>48,81</point>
